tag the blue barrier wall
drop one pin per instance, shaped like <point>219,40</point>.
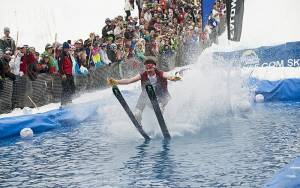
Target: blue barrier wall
<point>285,55</point>
<point>279,90</point>
<point>72,114</point>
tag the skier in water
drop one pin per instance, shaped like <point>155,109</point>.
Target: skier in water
<point>158,79</point>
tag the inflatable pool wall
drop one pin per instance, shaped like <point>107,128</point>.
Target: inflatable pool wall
<point>73,114</point>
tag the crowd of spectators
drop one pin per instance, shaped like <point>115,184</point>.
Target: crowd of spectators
<point>160,28</point>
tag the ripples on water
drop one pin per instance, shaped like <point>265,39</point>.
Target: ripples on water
<point>233,151</point>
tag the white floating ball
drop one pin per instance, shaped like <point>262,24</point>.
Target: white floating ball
<point>259,98</point>
<point>26,133</point>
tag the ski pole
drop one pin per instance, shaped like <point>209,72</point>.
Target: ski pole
<point>54,47</point>
<point>15,53</point>
<point>17,38</point>
<point>33,102</point>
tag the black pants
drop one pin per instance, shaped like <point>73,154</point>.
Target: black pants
<point>128,13</point>
<point>68,89</point>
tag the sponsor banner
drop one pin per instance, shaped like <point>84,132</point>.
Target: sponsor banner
<point>235,12</point>
<point>285,55</point>
<point>207,7</point>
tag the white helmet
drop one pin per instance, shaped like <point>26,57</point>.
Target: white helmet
<point>113,46</point>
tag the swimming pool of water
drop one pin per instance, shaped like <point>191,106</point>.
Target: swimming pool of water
<point>242,150</point>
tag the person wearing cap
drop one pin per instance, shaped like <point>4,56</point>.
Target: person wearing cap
<point>81,58</point>
<point>52,64</point>
<point>78,49</point>
<point>44,64</point>
<point>88,42</point>
<point>128,34</point>
<point>7,42</point>
<point>88,46</point>
<point>34,52</point>
<point>28,63</point>
<point>158,79</point>
<point>78,46</point>
<point>111,52</point>
<point>95,55</point>
<point>108,29</point>
<point>66,71</point>
<point>119,30</point>
<point>139,51</point>
<point>103,54</point>
<point>15,64</point>
<point>5,71</point>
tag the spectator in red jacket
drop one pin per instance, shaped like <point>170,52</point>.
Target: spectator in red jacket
<point>28,63</point>
<point>66,68</point>
<point>181,16</point>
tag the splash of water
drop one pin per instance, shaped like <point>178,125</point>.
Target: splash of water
<point>208,91</point>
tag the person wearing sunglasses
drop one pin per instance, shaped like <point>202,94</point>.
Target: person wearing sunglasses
<point>5,71</point>
<point>158,79</point>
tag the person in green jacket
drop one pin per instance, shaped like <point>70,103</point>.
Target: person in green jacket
<point>53,65</point>
<point>140,51</point>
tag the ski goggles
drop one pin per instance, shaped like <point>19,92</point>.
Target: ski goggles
<point>150,66</point>
<point>8,53</point>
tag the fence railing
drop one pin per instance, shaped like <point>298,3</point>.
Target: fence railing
<point>48,89</point>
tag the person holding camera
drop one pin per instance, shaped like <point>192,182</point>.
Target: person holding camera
<point>5,71</point>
